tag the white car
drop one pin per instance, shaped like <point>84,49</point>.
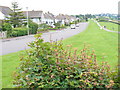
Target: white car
<point>72,26</point>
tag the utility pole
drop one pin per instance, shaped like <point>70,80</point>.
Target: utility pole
<point>27,21</point>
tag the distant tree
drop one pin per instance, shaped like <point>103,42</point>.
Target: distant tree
<point>16,17</point>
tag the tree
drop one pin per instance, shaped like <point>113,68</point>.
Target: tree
<point>16,17</point>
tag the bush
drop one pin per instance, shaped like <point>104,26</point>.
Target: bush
<point>40,30</point>
<point>58,25</point>
<point>63,27</point>
<point>21,31</point>
<point>7,27</point>
<point>44,26</point>
<point>49,65</point>
<point>33,27</point>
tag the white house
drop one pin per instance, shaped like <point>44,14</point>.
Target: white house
<point>4,12</point>
<point>60,18</point>
<point>64,19</point>
<point>39,17</point>
<point>35,16</point>
<point>48,18</point>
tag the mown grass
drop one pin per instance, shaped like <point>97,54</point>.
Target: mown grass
<point>9,64</point>
<point>103,42</point>
<point>110,26</point>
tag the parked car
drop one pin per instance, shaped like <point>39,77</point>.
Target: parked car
<point>72,26</point>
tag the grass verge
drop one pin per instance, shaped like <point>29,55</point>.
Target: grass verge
<point>9,64</point>
<point>110,26</point>
<point>104,43</point>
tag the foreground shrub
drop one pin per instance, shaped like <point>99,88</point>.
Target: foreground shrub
<point>50,65</point>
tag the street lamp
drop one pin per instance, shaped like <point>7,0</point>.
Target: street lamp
<point>27,20</point>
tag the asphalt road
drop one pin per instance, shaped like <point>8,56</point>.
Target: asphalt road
<point>20,43</point>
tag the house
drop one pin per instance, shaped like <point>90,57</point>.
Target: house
<point>4,12</point>
<point>39,17</point>
<point>48,18</point>
<point>64,19</point>
<point>60,18</point>
<point>72,18</point>
<point>35,16</point>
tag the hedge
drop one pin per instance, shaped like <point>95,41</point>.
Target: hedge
<point>19,31</point>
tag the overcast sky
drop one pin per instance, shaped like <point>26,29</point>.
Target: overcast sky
<point>70,7</point>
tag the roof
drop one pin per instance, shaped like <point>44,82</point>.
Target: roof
<point>33,14</point>
<point>49,16</point>
<point>72,17</point>
<point>62,16</point>
<point>5,10</point>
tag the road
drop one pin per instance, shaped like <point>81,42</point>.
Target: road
<point>18,44</point>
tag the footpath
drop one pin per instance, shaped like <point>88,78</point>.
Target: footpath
<point>105,28</point>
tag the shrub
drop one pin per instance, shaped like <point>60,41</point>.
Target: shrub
<point>58,25</point>
<point>21,31</point>
<point>40,30</point>
<point>33,27</point>
<point>50,65</point>
<point>44,26</point>
<point>7,27</point>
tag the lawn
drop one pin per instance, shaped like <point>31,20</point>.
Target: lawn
<point>9,64</point>
<point>110,26</point>
<point>103,42</point>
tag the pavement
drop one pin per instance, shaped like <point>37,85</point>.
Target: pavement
<point>105,28</point>
<point>20,43</point>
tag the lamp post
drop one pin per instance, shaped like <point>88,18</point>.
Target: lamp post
<point>27,20</point>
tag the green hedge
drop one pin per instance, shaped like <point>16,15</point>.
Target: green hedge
<point>33,27</point>
<point>19,32</point>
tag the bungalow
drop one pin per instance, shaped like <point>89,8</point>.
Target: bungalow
<point>48,18</point>
<point>64,19</point>
<point>60,18</point>
<point>4,12</point>
<point>72,18</point>
<point>35,16</point>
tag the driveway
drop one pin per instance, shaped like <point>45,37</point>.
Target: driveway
<point>20,43</point>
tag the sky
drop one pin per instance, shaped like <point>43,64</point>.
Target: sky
<point>70,7</point>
